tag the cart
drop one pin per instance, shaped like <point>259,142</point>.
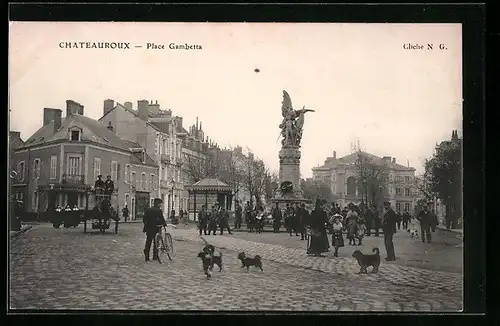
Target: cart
<point>105,211</point>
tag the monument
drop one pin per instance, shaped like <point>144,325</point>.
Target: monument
<point>289,155</point>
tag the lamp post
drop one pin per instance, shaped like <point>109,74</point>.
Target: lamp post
<point>172,207</point>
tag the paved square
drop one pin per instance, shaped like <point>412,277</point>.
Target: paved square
<point>67,269</point>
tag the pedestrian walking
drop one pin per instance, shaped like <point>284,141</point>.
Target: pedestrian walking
<point>203,220</point>
<point>153,218</point>
<point>303,221</point>
<point>352,225</point>
<point>318,220</point>
<point>337,238</point>
<point>377,222</point>
<point>361,230</point>
<point>238,216</point>
<point>424,217</point>
<point>213,221</point>
<point>125,213</point>
<point>296,219</point>
<point>389,228</point>
<point>406,219</point>
<point>224,221</point>
<point>399,218</point>
<point>277,216</point>
<point>288,218</point>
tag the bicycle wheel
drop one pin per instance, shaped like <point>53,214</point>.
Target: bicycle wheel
<point>169,246</point>
<point>160,248</point>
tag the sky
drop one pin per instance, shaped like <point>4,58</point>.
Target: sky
<point>361,82</point>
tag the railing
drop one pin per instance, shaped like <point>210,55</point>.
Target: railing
<point>73,179</point>
<point>165,158</point>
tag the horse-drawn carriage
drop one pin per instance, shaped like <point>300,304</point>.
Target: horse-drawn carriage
<point>103,212</point>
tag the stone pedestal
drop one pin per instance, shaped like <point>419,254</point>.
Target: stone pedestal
<point>290,171</point>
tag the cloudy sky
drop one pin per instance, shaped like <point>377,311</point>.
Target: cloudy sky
<point>358,77</point>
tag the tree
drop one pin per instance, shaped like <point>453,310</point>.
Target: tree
<point>271,185</point>
<point>372,178</point>
<point>229,170</point>
<point>255,178</point>
<point>315,189</point>
<point>196,168</point>
<point>444,172</point>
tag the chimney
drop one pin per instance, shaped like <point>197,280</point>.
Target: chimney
<point>196,124</point>
<point>73,107</point>
<point>52,115</point>
<point>154,109</point>
<point>14,134</point>
<point>200,126</point>
<point>143,109</point>
<point>108,106</point>
<point>394,160</point>
<point>386,159</point>
<point>110,127</point>
<point>128,105</point>
<point>334,154</point>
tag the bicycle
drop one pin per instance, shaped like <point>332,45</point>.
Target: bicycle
<point>164,244</point>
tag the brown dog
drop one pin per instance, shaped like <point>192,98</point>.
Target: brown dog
<point>367,260</point>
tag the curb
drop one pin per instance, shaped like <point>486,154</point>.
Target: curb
<point>18,233</point>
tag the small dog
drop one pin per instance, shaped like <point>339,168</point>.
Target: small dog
<point>208,263</point>
<point>247,261</point>
<point>367,260</point>
<point>413,233</point>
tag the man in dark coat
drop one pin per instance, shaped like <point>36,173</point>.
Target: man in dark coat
<point>224,221</point>
<point>213,221</point>
<point>369,220</point>
<point>296,219</point>
<point>203,220</point>
<point>406,219</point>
<point>99,184</point>
<point>288,218</point>
<point>389,228</point>
<point>424,218</point>
<point>376,220</point>
<point>109,186</point>
<point>303,221</point>
<point>238,216</point>
<point>125,213</point>
<point>277,216</point>
<point>153,219</point>
<point>399,218</point>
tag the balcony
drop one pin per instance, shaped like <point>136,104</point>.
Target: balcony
<point>165,158</point>
<point>73,179</point>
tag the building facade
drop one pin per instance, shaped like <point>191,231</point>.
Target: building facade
<point>63,158</point>
<point>342,176</point>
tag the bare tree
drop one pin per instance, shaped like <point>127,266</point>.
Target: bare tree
<point>255,175</point>
<point>372,178</point>
<point>196,167</point>
<point>317,189</point>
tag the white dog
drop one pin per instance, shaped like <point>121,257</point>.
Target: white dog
<point>413,227</point>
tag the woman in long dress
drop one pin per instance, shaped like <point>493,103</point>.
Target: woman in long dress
<point>337,239</point>
<point>352,225</point>
<point>318,220</point>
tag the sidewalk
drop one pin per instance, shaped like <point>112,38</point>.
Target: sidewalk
<point>24,228</point>
<point>459,233</point>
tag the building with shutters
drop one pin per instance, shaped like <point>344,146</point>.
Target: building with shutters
<point>67,154</point>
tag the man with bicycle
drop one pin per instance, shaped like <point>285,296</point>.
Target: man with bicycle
<point>153,218</point>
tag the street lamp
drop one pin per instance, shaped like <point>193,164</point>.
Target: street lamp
<point>172,207</point>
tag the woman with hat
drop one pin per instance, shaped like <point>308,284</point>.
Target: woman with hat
<point>336,227</point>
<point>318,220</point>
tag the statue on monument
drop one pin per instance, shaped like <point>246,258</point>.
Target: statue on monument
<point>293,122</point>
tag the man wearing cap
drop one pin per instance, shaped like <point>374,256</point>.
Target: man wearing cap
<point>389,228</point>
<point>153,217</point>
<point>99,184</point>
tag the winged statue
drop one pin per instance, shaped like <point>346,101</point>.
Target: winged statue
<point>293,122</point>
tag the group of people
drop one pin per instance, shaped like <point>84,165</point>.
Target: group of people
<point>69,216</point>
<point>295,218</point>
<point>209,221</point>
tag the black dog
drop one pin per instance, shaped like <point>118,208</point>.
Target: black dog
<point>208,263</point>
<point>247,261</point>
<point>367,260</point>
<point>209,250</point>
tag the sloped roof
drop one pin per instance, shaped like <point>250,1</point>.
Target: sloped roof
<point>351,159</point>
<point>162,126</point>
<point>210,184</point>
<point>131,111</point>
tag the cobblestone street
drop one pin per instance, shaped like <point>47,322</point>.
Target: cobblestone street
<point>67,269</point>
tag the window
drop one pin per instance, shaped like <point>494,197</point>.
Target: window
<point>398,207</point>
<point>20,170</point>
<point>407,192</point>
<point>97,167</point>
<point>74,167</point>
<point>153,182</point>
<point>114,171</point>
<point>53,167</point>
<point>407,207</point>
<point>398,191</point>
<point>36,168</point>
<point>127,173</point>
<point>132,179</point>
<point>146,181</point>
<point>75,135</point>
<point>407,179</point>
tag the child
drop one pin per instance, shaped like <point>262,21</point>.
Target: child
<point>361,231</point>
<point>337,239</point>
